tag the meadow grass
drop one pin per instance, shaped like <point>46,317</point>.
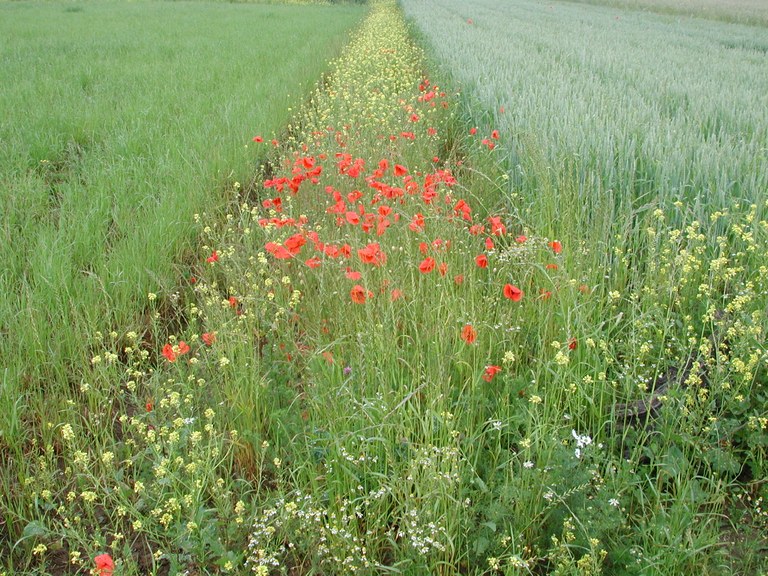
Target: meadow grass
<point>120,121</point>
<point>440,374</point>
<point>405,351</point>
<point>622,140</point>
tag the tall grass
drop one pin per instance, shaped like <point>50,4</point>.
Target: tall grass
<point>612,114</point>
<point>403,355</point>
<point>119,122</point>
<point>643,107</point>
<point>639,140</point>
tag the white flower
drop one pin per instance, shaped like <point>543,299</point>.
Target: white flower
<point>582,441</point>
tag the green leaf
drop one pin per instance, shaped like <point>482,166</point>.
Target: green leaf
<point>34,529</point>
<point>480,484</point>
<point>481,545</point>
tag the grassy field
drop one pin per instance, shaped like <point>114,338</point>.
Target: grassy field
<point>120,121</point>
<point>638,139</point>
<point>111,140</point>
<point>597,138</point>
<point>422,331</point>
<point>742,11</point>
<point>576,86</point>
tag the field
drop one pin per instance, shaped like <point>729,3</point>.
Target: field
<point>638,139</point>
<point>743,11</point>
<point>111,140</point>
<point>505,316</point>
<point>120,121</point>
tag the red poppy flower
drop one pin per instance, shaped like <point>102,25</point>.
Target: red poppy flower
<point>443,268</point>
<point>313,262</point>
<point>105,566</point>
<point>417,223</point>
<point>169,353</point>
<point>573,344</point>
<point>437,243</point>
<point>497,226</point>
<point>551,267</point>
<point>427,265</point>
<point>489,243</point>
<point>556,246</point>
<point>209,338</point>
<point>481,261</point>
<point>148,406</point>
<point>490,372</point>
<point>277,250</point>
<point>353,218</point>
<point>521,239</point>
<point>258,139</point>
<point>381,225</point>
<point>352,275</point>
<point>372,254</point>
<point>468,334</point>
<point>396,294</point>
<point>472,131</point>
<point>214,257</point>
<point>276,203</point>
<point>359,294</point>
<point>182,348</point>
<point>513,293</point>
<point>495,134</point>
<point>294,243</point>
<point>458,279</point>
<point>400,170</point>
<point>308,162</point>
<point>233,302</point>
<point>462,209</point>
